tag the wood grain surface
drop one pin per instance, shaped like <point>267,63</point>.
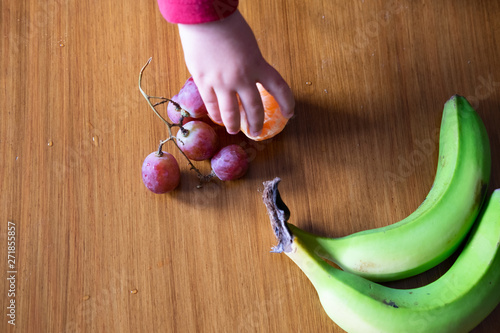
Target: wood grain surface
<point>96,252</point>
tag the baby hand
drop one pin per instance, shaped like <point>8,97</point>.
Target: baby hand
<point>225,61</point>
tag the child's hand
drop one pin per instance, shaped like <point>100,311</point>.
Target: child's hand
<point>225,61</point>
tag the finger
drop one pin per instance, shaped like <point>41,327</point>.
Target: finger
<point>229,111</point>
<point>210,100</point>
<point>254,110</point>
<point>279,89</point>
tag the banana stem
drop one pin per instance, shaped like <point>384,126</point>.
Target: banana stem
<point>278,214</point>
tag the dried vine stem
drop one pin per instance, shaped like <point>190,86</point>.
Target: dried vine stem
<point>203,178</point>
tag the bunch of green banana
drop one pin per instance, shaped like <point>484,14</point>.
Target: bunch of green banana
<point>441,222</point>
<point>456,302</point>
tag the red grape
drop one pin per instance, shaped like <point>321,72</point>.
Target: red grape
<point>198,140</point>
<point>160,174</point>
<point>174,115</point>
<point>190,100</point>
<point>229,163</point>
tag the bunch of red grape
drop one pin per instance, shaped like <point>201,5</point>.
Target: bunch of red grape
<point>197,141</point>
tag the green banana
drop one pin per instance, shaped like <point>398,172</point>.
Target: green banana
<point>437,227</point>
<point>456,302</point>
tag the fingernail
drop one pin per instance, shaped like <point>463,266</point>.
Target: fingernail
<point>255,133</point>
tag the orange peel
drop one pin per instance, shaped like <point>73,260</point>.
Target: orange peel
<point>274,121</point>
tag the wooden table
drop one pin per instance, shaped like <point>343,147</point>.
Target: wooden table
<point>96,252</point>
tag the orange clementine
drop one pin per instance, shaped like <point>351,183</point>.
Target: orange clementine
<point>274,122</point>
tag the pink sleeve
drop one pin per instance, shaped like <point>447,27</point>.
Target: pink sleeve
<point>196,11</point>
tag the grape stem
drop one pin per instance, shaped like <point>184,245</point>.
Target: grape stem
<point>203,178</point>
